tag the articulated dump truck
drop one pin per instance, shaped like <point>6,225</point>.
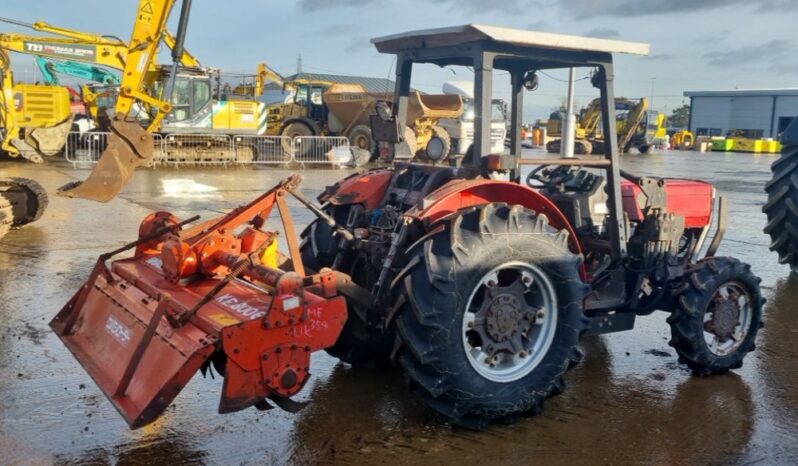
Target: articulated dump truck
<point>344,110</point>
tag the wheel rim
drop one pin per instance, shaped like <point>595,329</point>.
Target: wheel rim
<point>361,141</point>
<point>727,319</point>
<point>509,322</point>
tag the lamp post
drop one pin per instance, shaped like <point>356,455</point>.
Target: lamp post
<point>653,80</point>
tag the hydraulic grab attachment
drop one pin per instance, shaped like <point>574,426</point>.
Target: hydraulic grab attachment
<point>213,295</point>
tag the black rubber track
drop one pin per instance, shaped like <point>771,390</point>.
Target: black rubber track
<point>29,199</point>
<point>442,272</point>
<point>687,320</point>
<point>359,344</point>
<point>782,207</point>
<point>6,216</point>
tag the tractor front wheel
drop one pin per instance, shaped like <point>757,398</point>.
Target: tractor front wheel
<point>492,314</point>
<point>717,317</point>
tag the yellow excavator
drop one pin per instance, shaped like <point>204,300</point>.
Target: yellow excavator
<point>198,124</point>
<point>34,119</point>
<point>637,127</point>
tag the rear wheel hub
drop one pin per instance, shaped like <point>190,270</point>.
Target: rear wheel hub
<point>510,321</point>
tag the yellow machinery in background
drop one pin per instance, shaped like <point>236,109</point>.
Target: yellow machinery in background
<point>637,127</point>
<point>683,140</point>
<point>34,119</point>
<point>200,118</point>
<point>317,107</point>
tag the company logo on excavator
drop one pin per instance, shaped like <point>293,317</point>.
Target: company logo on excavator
<point>59,50</point>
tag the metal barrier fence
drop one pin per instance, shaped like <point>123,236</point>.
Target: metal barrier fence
<point>263,149</point>
<point>321,149</point>
<point>206,148</point>
<point>85,148</point>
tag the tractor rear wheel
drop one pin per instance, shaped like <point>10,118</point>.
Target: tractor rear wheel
<point>717,316</point>
<point>28,199</point>
<point>360,344</point>
<point>782,207</point>
<point>6,216</point>
<point>492,314</point>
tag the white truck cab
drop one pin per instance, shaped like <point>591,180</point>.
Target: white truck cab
<point>461,130</point>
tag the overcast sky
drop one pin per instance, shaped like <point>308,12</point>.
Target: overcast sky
<point>696,44</point>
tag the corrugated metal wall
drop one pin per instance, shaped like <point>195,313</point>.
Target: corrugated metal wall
<point>742,112</point>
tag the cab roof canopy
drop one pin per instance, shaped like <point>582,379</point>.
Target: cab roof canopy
<point>458,45</point>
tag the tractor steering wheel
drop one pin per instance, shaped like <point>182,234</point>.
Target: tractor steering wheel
<point>544,176</point>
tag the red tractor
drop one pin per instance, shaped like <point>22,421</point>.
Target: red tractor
<point>480,287</point>
<point>477,285</point>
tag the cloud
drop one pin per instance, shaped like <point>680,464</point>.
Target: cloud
<point>715,38</point>
<point>773,52</point>
<point>510,6</point>
<point>603,33</point>
<point>584,9</point>
<point>358,44</point>
<point>660,57</point>
<point>314,5</point>
<point>334,30</point>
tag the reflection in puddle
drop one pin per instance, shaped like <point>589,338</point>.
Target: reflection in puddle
<point>188,189</point>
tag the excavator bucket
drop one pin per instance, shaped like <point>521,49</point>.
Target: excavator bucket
<point>129,146</point>
<point>206,298</point>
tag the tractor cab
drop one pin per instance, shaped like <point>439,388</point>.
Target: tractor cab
<point>523,55</point>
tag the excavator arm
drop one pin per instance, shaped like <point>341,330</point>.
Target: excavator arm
<point>130,145</point>
<point>635,116</point>
<point>50,69</point>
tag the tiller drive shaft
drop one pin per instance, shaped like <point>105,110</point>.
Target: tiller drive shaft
<point>217,293</point>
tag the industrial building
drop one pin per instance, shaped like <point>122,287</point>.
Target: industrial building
<point>769,111</point>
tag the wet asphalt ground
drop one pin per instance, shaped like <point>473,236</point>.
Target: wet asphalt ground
<point>628,402</point>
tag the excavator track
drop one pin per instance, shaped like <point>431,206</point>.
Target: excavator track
<point>27,200</point>
<point>6,216</point>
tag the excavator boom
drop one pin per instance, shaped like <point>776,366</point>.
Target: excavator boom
<point>130,145</point>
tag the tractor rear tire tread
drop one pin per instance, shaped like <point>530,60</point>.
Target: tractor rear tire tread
<point>782,207</point>
<point>687,320</point>
<point>36,196</point>
<point>429,324</point>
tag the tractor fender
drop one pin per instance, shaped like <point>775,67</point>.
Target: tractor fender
<point>367,188</point>
<point>459,194</point>
<point>314,126</point>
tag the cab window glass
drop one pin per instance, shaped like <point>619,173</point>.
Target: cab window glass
<point>202,93</point>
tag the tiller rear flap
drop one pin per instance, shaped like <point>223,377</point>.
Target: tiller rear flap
<point>213,294</point>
